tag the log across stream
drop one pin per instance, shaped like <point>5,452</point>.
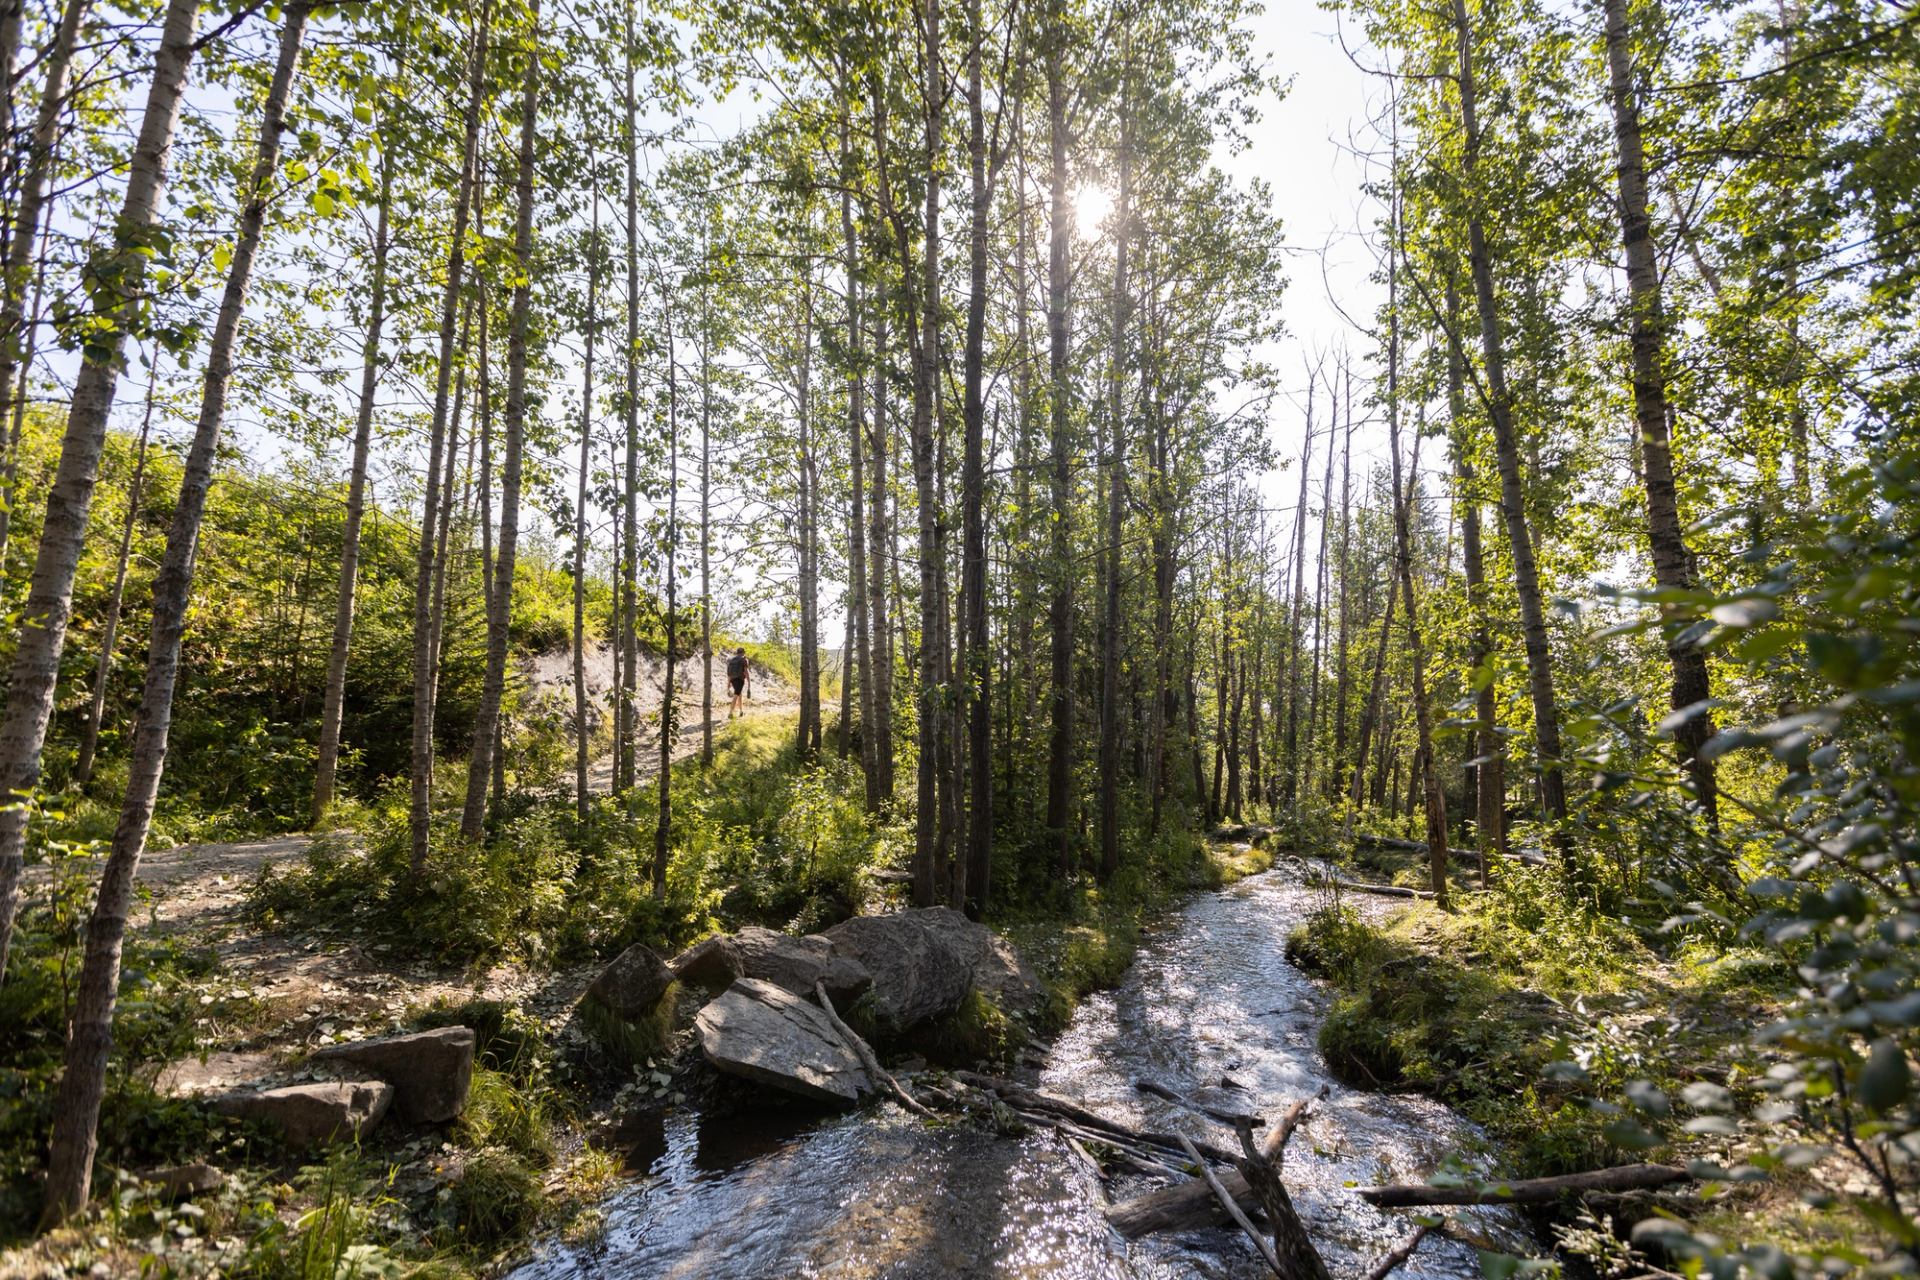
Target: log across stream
<point>1211,1010</point>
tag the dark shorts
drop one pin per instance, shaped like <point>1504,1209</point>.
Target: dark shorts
<point>737,685</point>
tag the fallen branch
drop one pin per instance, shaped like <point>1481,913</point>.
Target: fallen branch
<point>1383,890</point>
<point>868,1059</point>
<point>1385,1267</point>
<point>1228,1118</point>
<point>1626,1177</point>
<point>1233,1210</point>
<point>1047,1103</point>
<point>1191,1203</point>
<point>1299,1259</point>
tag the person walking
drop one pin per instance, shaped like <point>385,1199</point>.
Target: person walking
<point>739,681</point>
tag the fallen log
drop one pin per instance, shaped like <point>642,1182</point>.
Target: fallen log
<point>1033,1100</point>
<point>1626,1177</point>
<point>1235,1212</point>
<point>1294,1254</point>
<point>1383,890</point>
<point>1531,857</point>
<point>1192,1203</point>
<point>1228,1118</point>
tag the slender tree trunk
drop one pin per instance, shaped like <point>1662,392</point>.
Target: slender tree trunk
<point>1110,719</point>
<point>443,536</point>
<point>1546,712</point>
<point>500,602</point>
<point>582,747</point>
<point>857,634</point>
<point>1060,411</point>
<point>706,492</point>
<point>669,693</point>
<point>420,811</point>
<point>1340,658</point>
<point>626,719</point>
<point>120,273</point>
<point>110,627</point>
<point>1490,774</point>
<point>1672,558</point>
<point>1403,498</point>
<point>17,268</point>
<point>880,557</point>
<point>975,679</point>
<point>925,339</point>
<point>809,586</point>
<point>334,701</point>
<point>76,1110</point>
<point>1293,604</point>
<point>1370,711</point>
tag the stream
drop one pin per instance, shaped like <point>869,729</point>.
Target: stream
<point>1211,1008</point>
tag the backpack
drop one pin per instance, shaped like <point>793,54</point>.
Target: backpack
<point>736,667</point>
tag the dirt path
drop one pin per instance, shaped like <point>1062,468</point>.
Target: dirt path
<point>310,989</point>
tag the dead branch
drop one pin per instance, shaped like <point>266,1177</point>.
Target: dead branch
<point>1628,1177</point>
<point>1233,1209</point>
<point>864,1051</point>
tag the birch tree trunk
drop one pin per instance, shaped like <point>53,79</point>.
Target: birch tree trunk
<point>120,273</point>
<point>420,812</point>
<point>110,628</point>
<point>30,195</point>
<point>1672,558</point>
<point>334,699</point>
<point>669,701</point>
<point>1546,712</point>
<point>860,652</point>
<point>76,1110</point>
<point>500,599</point>
<point>626,741</point>
<point>582,748</point>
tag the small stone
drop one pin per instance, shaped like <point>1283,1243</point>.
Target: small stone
<point>633,984</point>
<point>178,1182</point>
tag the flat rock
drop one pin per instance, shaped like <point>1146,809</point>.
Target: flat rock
<point>760,1031</point>
<point>919,974</point>
<point>710,962</point>
<point>308,1115</point>
<point>633,984</point>
<point>798,963</point>
<point>184,1181</point>
<point>430,1071</point>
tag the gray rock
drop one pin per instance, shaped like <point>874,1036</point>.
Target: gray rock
<point>430,1071</point>
<point>633,984</point>
<point>711,962</point>
<point>762,1032</point>
<point>184,1181</point>
<point>798,963</point>
<point>919,975</point>
<point>999,972</point>
<point>308,1115</point>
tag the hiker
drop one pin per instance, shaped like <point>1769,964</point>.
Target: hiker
<point>739,674</point>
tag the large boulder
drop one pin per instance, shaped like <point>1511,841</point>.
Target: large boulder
<point>308,1115</point>
<point>711,962</point>
<point>919,974</point>
<point>797,963</point>
<point>430,1071</point>
<point>762,1032</point>
<point>999,972</point>
<point>633,984</point>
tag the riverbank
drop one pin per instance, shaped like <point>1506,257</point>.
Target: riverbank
<point>243,975</point>
<point>1575,1042</point>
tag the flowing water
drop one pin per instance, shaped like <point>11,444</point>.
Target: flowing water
<point>1211,1008</point>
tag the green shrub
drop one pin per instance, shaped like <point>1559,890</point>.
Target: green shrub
<point>496,1199</point>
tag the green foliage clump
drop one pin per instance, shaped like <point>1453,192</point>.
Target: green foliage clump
<point>496,1198</point>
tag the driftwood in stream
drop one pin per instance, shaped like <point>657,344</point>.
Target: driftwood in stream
<point>868,1059</point>
<point>1192,1203</point>
<point>1229,1118</point>
<point>1531,857</point>
<point>1235,1212</point>
<point>1401,1252</point>
<point>1293,1256</point>
<point>1024,1099</point>
<point>1382,890</point>
<point>1627,1177</point>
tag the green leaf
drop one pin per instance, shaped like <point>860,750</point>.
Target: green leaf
<point>1887,1078</point>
